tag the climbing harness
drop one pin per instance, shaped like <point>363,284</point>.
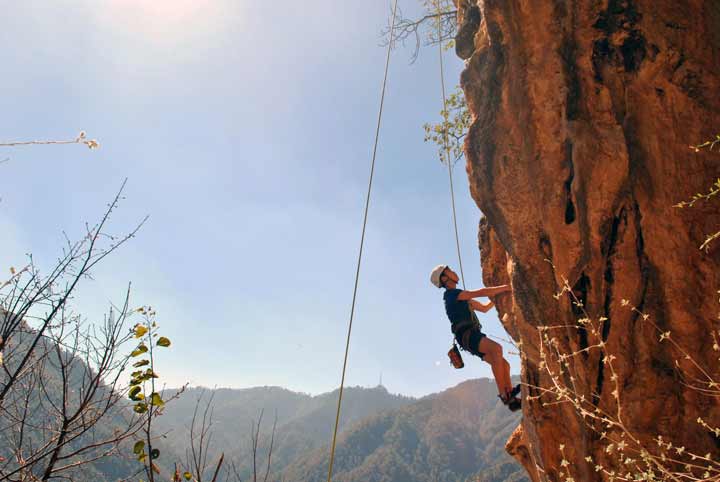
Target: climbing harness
<point>463,326</point>
<point>362,243</point>
<point>463,332</point>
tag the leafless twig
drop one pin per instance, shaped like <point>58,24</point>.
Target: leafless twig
<point>60,376</point>
<point>80,139</point>
<point>423,30</point>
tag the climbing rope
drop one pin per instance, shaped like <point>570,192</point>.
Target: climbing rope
<point>446,142</point>
<point>362,243</point>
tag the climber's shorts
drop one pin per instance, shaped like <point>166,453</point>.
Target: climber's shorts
<point>470,339</point>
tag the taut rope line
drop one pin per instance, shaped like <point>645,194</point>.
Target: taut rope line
<point>447,144</point>
<point>362,243</point>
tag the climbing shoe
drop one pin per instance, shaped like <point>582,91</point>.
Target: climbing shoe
<point>514,404</point>
<point>511,400</point>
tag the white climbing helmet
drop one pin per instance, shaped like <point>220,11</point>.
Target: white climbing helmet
<point>436,273</point>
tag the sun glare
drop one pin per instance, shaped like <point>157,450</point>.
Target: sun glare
<point>167,20</point>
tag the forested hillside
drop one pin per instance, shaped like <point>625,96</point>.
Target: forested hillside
<point>455,435</point>
<point>450,436</point>
<point>304,422</point>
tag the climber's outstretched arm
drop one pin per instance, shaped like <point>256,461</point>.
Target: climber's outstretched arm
<point>481,307</point>
<point>489,291</point>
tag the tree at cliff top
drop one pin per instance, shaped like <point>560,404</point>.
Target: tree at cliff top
<point>437,25</point>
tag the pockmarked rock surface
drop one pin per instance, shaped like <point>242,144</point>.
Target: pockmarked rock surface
<point>583,112</point>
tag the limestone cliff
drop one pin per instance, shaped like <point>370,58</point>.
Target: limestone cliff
<point>582,116</point>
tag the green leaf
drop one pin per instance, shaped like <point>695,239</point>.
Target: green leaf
<point>156,400</point>
<point>135,394</point>
<point>138,447</point>
<point>140,330</point>
<point>139,350</point>
<point>162,341</point>
<point>154,453</point>
<point>141,363</point>
<point>140,407</point>
<point>187,475</point>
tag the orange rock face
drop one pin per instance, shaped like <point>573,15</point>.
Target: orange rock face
<point>583,113</point>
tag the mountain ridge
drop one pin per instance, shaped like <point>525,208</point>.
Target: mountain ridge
<point>424,441</point>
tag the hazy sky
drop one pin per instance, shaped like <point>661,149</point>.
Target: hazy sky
<point>245,130</point>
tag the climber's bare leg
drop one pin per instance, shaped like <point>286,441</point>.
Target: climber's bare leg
<point>500,366</point>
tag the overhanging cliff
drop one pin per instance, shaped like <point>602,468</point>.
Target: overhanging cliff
<point>583,112</point>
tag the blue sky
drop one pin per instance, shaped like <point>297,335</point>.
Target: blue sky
<point>245,130</point>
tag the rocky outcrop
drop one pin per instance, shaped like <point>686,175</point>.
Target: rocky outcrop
<point>582,116</point>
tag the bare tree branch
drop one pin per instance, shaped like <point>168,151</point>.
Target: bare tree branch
<point>60,377</point>
<point>270,450</point>
<point>80,139</point>
<point>423,31</point>
<point>217,468</point>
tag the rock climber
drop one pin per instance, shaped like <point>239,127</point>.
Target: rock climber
<point>460,307</point>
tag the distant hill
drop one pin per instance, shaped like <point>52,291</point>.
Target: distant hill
<point>456,435</point>
<point>304,422</point>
